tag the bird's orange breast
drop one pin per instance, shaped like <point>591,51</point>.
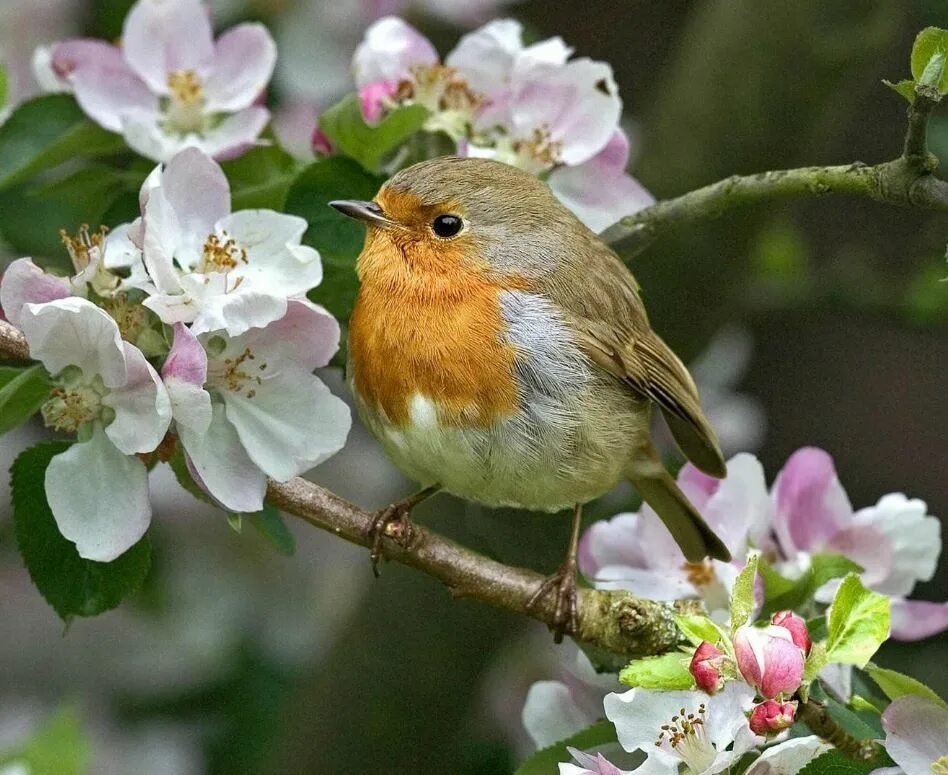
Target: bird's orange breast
<point>430,326</point>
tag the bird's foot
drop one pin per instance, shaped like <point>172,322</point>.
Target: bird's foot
<point>562,585</point>
<point>391,522</point>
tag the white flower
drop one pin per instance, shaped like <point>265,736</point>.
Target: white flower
<point>706,734</point>
<point>248,407</point>
<point>209,267</point>
<point>916,735</point>
<point>108,393</point>
<point>170,85</point>
<point>788,757</point>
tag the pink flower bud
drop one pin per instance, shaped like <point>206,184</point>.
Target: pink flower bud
<point>771,716</point>
<point>321,144</point>
<point>704,667</point>
<point>375,97</point>
<point>768,659</point>
<point>796,626</point>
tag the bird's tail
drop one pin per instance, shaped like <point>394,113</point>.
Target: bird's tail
<point>682,519</point>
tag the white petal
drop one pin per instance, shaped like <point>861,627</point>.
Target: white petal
<point>485,57</point>
<point>45,75</point>
<point>917,619</point>
<point>190,405</point>
<point>243,62</point>
<point>187,361</point>
<point>23,282</point>
<point>235,134</point>
<point>291,424</point>
<point>236,312</point>
<point>161,36</point>
<point>142,407</point>
<point>198,192</point>
<point>305,338</point>
<point>551,714</point>
<point>388,50</point>
<point>639,713</point>
<point>163,233</point>
<point>223,465</point>
<point>276,261</point>
<point>119,252</point>
<point>99,497</point>
<point>740,504</point>
<point>75,332</point>
<point>916,733</point>
<point>110,94</point>
<point>659,584</point>
<point>725,717</point>
<point>144,135</point>
<point>789,757</point>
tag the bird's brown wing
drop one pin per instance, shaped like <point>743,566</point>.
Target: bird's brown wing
<point>614,331</point>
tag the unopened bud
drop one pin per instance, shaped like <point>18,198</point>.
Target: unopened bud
<point>705,667</point>
<point>796,626</point>
<point>771,717</point>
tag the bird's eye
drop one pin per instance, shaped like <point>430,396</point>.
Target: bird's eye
<point>447,225</point>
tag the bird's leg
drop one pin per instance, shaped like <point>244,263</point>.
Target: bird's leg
<point>393,521</point>
<point>563,585</point>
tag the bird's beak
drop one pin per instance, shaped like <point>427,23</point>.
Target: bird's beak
<point>369,212</point>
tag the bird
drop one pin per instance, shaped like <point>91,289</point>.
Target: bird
<point>500,351</point>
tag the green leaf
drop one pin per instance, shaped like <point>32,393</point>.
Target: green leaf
<point>905,88</point>
<point>699,628</point>
<point>544,762</point>
<point>344,125</point>
<point>71,585</point>
<point>895,684</point>
<point>47,131</point>
<point>815,661</point>
<point>56,748</point>
<point>835,762</point>
<point>337,238</point>
<point>929,54</point>
<point>666,671</point>
<point>260,178</point>
<point>22,396</point>
<point>4,86</point>
<point>742,596</point>
<point>785,594</point>
<point>858,623</point>
<point>269,523</point>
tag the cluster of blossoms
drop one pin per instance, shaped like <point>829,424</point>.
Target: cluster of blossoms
<point>170,85</point>
<point>194,319</point>
<point>531,106</point>
<point>804,514</point>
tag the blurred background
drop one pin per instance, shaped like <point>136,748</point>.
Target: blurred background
<point>821,323</point>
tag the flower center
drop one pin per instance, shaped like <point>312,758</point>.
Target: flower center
<point>221,255</point>
<point>130,317</point>
<point>700,574</point>
<point>185,109</point>
<point>439,88</point>
<point>539,151</point>
<point>73,402</point>
<point>685,735</point>
<point>940,765</point>
<point>84,246</point>
<point>238,374</point>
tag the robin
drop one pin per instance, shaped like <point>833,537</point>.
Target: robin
<point>500,351</point>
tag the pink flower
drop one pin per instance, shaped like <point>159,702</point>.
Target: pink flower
<point>375,97</point>
<point>171,85</point>
<point>796,626</point>
<point>772,716</point>
<point>916,734</point>
<point>586,764</point>
<point>705,667</point>
<point>769,659</point>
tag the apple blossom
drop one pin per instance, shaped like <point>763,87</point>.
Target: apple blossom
<point>707,734</point>
<point>111,396</point>
<point>248,407</point>
<point>589,765</point>
<point>170,85</point>
<point>705,667</point>
<point>768,659</point>
<point>788,757</point>
<point>212,268</point>
<point>916,735</point>
<point>796,626</point>
<point>771,717</point>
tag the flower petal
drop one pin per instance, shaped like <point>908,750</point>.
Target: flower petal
<point>236,134</point>
<point>658,584</point>
<point>810,503</point>
<point>198,192</point>
<point>550,714</point>
<point>162,36</point>
<point>291,424</point>
<point>305,338</point>
<point>23,282</point>
<point>75,332</point>
<point>235,312</point>
<point>485,58</point>
<point>916,733</point>
<point>99,497</point>
<point>223,465</point>
<point>789,757</point>
<point>242,66</point>
<point>142,407</point>
<point>611,542</point>
<point>187,361</point>
<point>388,50</point>
<point>110,93</point>
<point>917,619</point>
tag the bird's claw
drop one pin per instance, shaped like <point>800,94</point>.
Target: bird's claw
<point>562,584</point>
<point>392,522</point>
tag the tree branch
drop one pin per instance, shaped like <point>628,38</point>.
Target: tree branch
<point>908,181</point>
<point>816,717</point>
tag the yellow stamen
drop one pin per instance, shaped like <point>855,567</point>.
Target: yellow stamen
<point>221,256</point>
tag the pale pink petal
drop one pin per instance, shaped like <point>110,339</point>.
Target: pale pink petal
<point>551,714</point>
<point>25,283</point>
<point>145,135</point>
<point>187,360</point>
<point>306,338</point>
<point>485,58</point>
<point>768,659</point>
<point>388,51</point>
<point>869,547</point>
<point>611,542</point>
<point>916,733</point>
<point>789,757</point>
<point>46,77</point>
<point>142,408</point>
<point>649,584</point>
<point>236,134</point>
<point>75,332</point>
<point>69,55</point>
<point>242,66</point>
<point>375,98</point>
<point>917,619</point>
<point>235,312</point>
<point>162,36</point>
<point>198,192</point>
<point>162,236</point>
<point>223,466</point>
<point>111,94</point>
<point>98,497</point>
<point>810,504</point>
